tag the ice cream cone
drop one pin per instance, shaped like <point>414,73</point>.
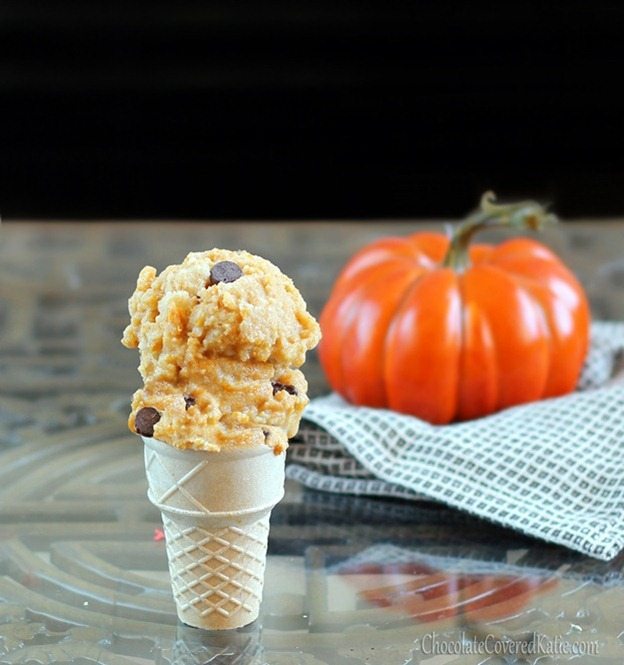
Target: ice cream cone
<point>215,508</point>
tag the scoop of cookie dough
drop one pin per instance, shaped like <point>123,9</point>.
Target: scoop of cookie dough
<point>220,337</point>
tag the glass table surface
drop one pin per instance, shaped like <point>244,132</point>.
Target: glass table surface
<point>349,580</point>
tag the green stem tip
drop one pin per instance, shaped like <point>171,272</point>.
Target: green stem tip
<point>522,215</point>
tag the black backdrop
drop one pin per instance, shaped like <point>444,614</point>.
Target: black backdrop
<point>308,108</point>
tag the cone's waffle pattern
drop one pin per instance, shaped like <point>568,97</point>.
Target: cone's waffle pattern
<point>217,572</point>
<point>208,483</point>
<point>173,492</point>
<point>215,509</point>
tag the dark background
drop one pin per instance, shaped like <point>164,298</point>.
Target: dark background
<point>308,108</point>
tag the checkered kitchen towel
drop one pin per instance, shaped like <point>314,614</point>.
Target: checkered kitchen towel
<point>553,469</point>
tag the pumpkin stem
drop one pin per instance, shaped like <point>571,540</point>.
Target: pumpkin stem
<point>522,215</point>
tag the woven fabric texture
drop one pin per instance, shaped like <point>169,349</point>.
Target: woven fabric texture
<point>552,469</point>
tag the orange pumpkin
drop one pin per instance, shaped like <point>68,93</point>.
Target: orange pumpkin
<point>444,330</point>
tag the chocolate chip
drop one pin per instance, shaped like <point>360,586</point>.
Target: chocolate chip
<point>277,386</point>
<point>266,434</point>
<point>145,420</point>
<point>188,402</point>
<point>225,271</point>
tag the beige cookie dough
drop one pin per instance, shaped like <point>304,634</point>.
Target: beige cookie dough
<point>219,359</point>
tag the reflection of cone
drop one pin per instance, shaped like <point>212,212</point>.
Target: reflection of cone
<point>215,508</point>
<point>234,647</point>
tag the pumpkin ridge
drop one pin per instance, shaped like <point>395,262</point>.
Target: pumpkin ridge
<point>373,256</point>
<point>350,331</point>
<point>417,363</point>
<point>547,333</point>
<point>532,286</point>
<point>458,375</point>
<point>337,338</point>
<point>494,274</point>
<point>481,320</point>
<point>397,310</point>
<point>462,343</point>
<point>536,283</point>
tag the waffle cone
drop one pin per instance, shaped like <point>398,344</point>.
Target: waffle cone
<point>215,508</point>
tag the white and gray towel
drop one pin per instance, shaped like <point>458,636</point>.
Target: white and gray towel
<point>552,469</point>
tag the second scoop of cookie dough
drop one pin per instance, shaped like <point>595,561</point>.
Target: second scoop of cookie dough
<point>220,337</point>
